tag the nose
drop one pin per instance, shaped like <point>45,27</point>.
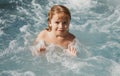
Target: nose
<point>61,25</point>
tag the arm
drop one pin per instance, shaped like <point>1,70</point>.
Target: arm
<point>39,44</point>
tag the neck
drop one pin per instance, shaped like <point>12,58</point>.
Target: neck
<point>58,36</point>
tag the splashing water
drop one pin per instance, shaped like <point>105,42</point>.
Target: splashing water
<point>96,24</point>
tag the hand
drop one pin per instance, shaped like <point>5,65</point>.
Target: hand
<point>72,50</point>
<point>39,51</point>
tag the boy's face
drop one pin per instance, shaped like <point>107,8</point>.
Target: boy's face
<point>60,24</point>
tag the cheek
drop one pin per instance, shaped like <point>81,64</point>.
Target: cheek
<point>67,26</point>
<point>54,26</point>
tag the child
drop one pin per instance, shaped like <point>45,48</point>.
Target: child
<point>57,32</point>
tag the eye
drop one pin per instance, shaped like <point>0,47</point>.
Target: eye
<point>64,23</point>
<point>57,22</point>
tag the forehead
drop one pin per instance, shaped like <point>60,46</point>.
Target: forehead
<point>61,16</point>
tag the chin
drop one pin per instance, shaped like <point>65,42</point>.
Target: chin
<point>60,34</point>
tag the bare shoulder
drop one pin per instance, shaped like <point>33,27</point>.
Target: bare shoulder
<point>70,37</point>
<point>41,36</point>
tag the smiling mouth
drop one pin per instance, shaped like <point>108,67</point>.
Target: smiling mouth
<point>61,30</point>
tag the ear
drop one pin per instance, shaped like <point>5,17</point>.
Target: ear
<point>49,23</point>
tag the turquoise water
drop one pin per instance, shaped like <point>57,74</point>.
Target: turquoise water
<point>96,24</point>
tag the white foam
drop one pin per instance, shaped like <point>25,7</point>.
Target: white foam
<point>24,28</point>
<point>17,73</point>
<point>115,69</point>
<point>73,65</point>
<point>81,4</point>
<point>2,22</point>
<point>110,44</point>
<point>12,48</point>
<point>54,53</point>
<point>12,45</point>
<point>26,33</point>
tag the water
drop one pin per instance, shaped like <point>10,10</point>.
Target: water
<point>96,24</point>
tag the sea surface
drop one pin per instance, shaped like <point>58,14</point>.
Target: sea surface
<point>95,23</point>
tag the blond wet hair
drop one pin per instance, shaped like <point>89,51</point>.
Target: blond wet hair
<point>55,10</point>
